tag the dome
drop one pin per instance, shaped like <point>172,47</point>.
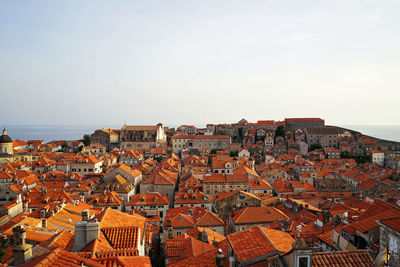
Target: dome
<point>5,138</point>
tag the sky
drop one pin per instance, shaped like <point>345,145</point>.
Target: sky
<point>197,62</point>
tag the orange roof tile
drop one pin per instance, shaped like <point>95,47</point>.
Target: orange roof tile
<point>353,258</point>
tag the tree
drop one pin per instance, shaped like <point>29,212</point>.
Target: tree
<point>214,151</point>
<point>4,244</point>
<point>280,131</point>
<point>315,146</point>
<point>86,140</point>
<point>240,132</point>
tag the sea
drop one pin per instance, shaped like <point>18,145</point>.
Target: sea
<point>50,133</point>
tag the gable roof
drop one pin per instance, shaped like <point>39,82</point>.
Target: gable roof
<point>254,215</point>
<point>259,242</point>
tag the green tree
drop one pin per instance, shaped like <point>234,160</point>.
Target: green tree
<point>280,131</point>
<point>240,132</point>
<point>214,150</point>
<point>4,244</point>
<point>86,140</point>
<point>315,146</point>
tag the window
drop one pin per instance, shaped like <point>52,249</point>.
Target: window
<point>303,261</point>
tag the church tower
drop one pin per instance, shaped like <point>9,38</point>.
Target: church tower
<point>6,146</point>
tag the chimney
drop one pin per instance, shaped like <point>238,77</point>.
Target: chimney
<point>22,251</point>
<point>215,243</point>
<point>190,212</point>
<point>42,213</point>
<point>18,199</point>
<point>92,231</point>
<point>204,236</point>
<point>79,236</point>
<point>220,259</point>
<point>170,234</point>
<point>26,206</point>
<point>44,224</point>
<point>85,215</point>
<point>85,232</point>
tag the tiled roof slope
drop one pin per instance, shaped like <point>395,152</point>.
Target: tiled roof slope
<point>62,258</point>
<point>259,242</point>
<point>258,215</point>
<point>353,258</point>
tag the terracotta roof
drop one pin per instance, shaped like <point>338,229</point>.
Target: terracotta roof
<point>194,232</point>
<point>223,195</point>
<point>206,259</point>
<point>182,136</point>
<point>62,258</point>
<point>259,242</point>
<point>252,215</point>
<point>191,217</point>
<point>183,247</point>
<point>303,119</point>
<point>393,223</point>
<point>259,183</point>
<point>242,170</point>
<point>149,199</point>
<point>326,237</point>
<point>219,162</point>
<point>220,178</point>
<point>353,258</point>
<point>122,237</point>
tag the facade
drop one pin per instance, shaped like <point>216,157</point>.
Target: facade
<point>150,202</point>
<point>86,165</point>
<point>231,201</point>
<point>292,124</point>
<point>192,199</point>
<point>162,181</point>
<point>180,142</point>
<point>95,149</point>
<point>216,183</point>
<point>107,137</point>
<point>378,157</point>
<point>326,136</point>
<point>132,176</point>
<point>134,137</point>
<point>389,239</point>
<point>7,153</point>
<point>187,129</point>
<point>179,220</point>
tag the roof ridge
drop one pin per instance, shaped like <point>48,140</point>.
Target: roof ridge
<point>265,235</point>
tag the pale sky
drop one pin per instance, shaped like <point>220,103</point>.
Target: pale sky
<point>176,62</point>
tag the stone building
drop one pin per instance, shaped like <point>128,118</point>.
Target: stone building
<point>292,124</point>
<point>216,183</point>
<point>7,151</point>
<point>107,137</point>
<point>389,239</point>
<point>231,201</point>
<point>252,216</point>
<point>325,136</point>
<point>133,137</point>
<point>180,142</point>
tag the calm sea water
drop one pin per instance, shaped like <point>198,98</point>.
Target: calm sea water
<point>383,132</point>
<point>52,132</point>
<point>74,132</point>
